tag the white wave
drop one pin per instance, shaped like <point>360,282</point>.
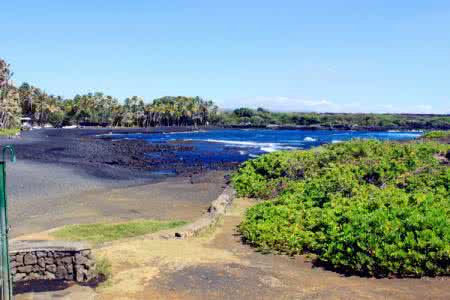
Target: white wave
<point>406,134</point>
<point>184,132</point>
<point>239,143</point>
<point>268,149</point>
<point>277,147</point>
<point>309,139</point>
<point>265,147</point>
<point>336,141</point>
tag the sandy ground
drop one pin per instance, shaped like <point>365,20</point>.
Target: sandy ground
<point>43,196</point>
<point>218,266</point>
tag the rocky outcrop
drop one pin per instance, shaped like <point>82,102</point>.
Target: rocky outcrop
<point>47,260</point>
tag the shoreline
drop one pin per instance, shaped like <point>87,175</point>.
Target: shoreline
<point>103,157</point>
<point>67,176</point>
<point>43,196</point>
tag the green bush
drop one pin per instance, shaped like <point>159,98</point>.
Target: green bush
<point>9,132</point>
<point>368,207</point>
<point>103,268</point>
<point>436,134</point>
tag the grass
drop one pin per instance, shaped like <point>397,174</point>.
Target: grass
<point>103,270</point>
<point>7,132</point>
<point>105,232</point>
<point>436,134</point>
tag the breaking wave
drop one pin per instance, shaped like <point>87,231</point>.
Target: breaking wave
<point>266,147</point>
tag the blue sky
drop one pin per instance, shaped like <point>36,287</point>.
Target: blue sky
<point>355,56</point>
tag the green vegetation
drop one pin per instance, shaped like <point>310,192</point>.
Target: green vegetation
<point>262,117</point>
<point>7,132</point>
<point>9,99</point>
<point>437,134</point>
<point>104,232</point>
<point>103,268</point>
<point>100,109</point>
<point>367,207</point>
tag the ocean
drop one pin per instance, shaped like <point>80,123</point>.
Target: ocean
<point>221,146</point>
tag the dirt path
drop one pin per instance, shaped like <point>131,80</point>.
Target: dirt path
<point>247,274</point>
<point>218,266</point>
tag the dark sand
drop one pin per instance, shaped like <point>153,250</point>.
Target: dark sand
<point>68,176</point>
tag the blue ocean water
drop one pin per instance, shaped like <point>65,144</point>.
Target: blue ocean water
<point>208,147</point>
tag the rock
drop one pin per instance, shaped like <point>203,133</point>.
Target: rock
<point>67,260</point>
<point>59,262</point>
<point>19,259</point>
<point>25,269</point>
<point>71,261</point>
<point>29,259</point>
<point>61,272</point>
<point>49,275</point>
<point>80,259</point>
<point>34,276</point>
<point>41,262</point>
<point>19,277</point>
<point>69,269</point>
<point>37,268</point>
<point>81,274</point>
<point>51,268</point>
<point>41,254</point>
<point>49,260</point>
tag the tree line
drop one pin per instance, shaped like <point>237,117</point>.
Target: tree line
<point>100,109</point>
<point>261,118</point>
<point>96,108</point>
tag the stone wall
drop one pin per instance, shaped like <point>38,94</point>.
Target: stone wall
<point>47,260</point>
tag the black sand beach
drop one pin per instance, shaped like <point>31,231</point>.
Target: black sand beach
<point>67,176</point>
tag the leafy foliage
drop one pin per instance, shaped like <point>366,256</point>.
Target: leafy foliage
<point>103,268</point>
<point>261,117</point>
<point>9,99</point>
<point>9,132</point>
<point>369,207</point>
<point>436,134</point>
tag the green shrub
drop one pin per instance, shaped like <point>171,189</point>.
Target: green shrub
<point>436,134</point>
<point>368,207</point>
<point>103,268</point>
<point>9,132</point>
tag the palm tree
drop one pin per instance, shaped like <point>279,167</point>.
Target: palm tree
<point>10,110</point>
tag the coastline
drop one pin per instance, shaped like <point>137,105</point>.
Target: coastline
<point>43,196</point>
<point>67,176</point>
<point>102,157</point>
